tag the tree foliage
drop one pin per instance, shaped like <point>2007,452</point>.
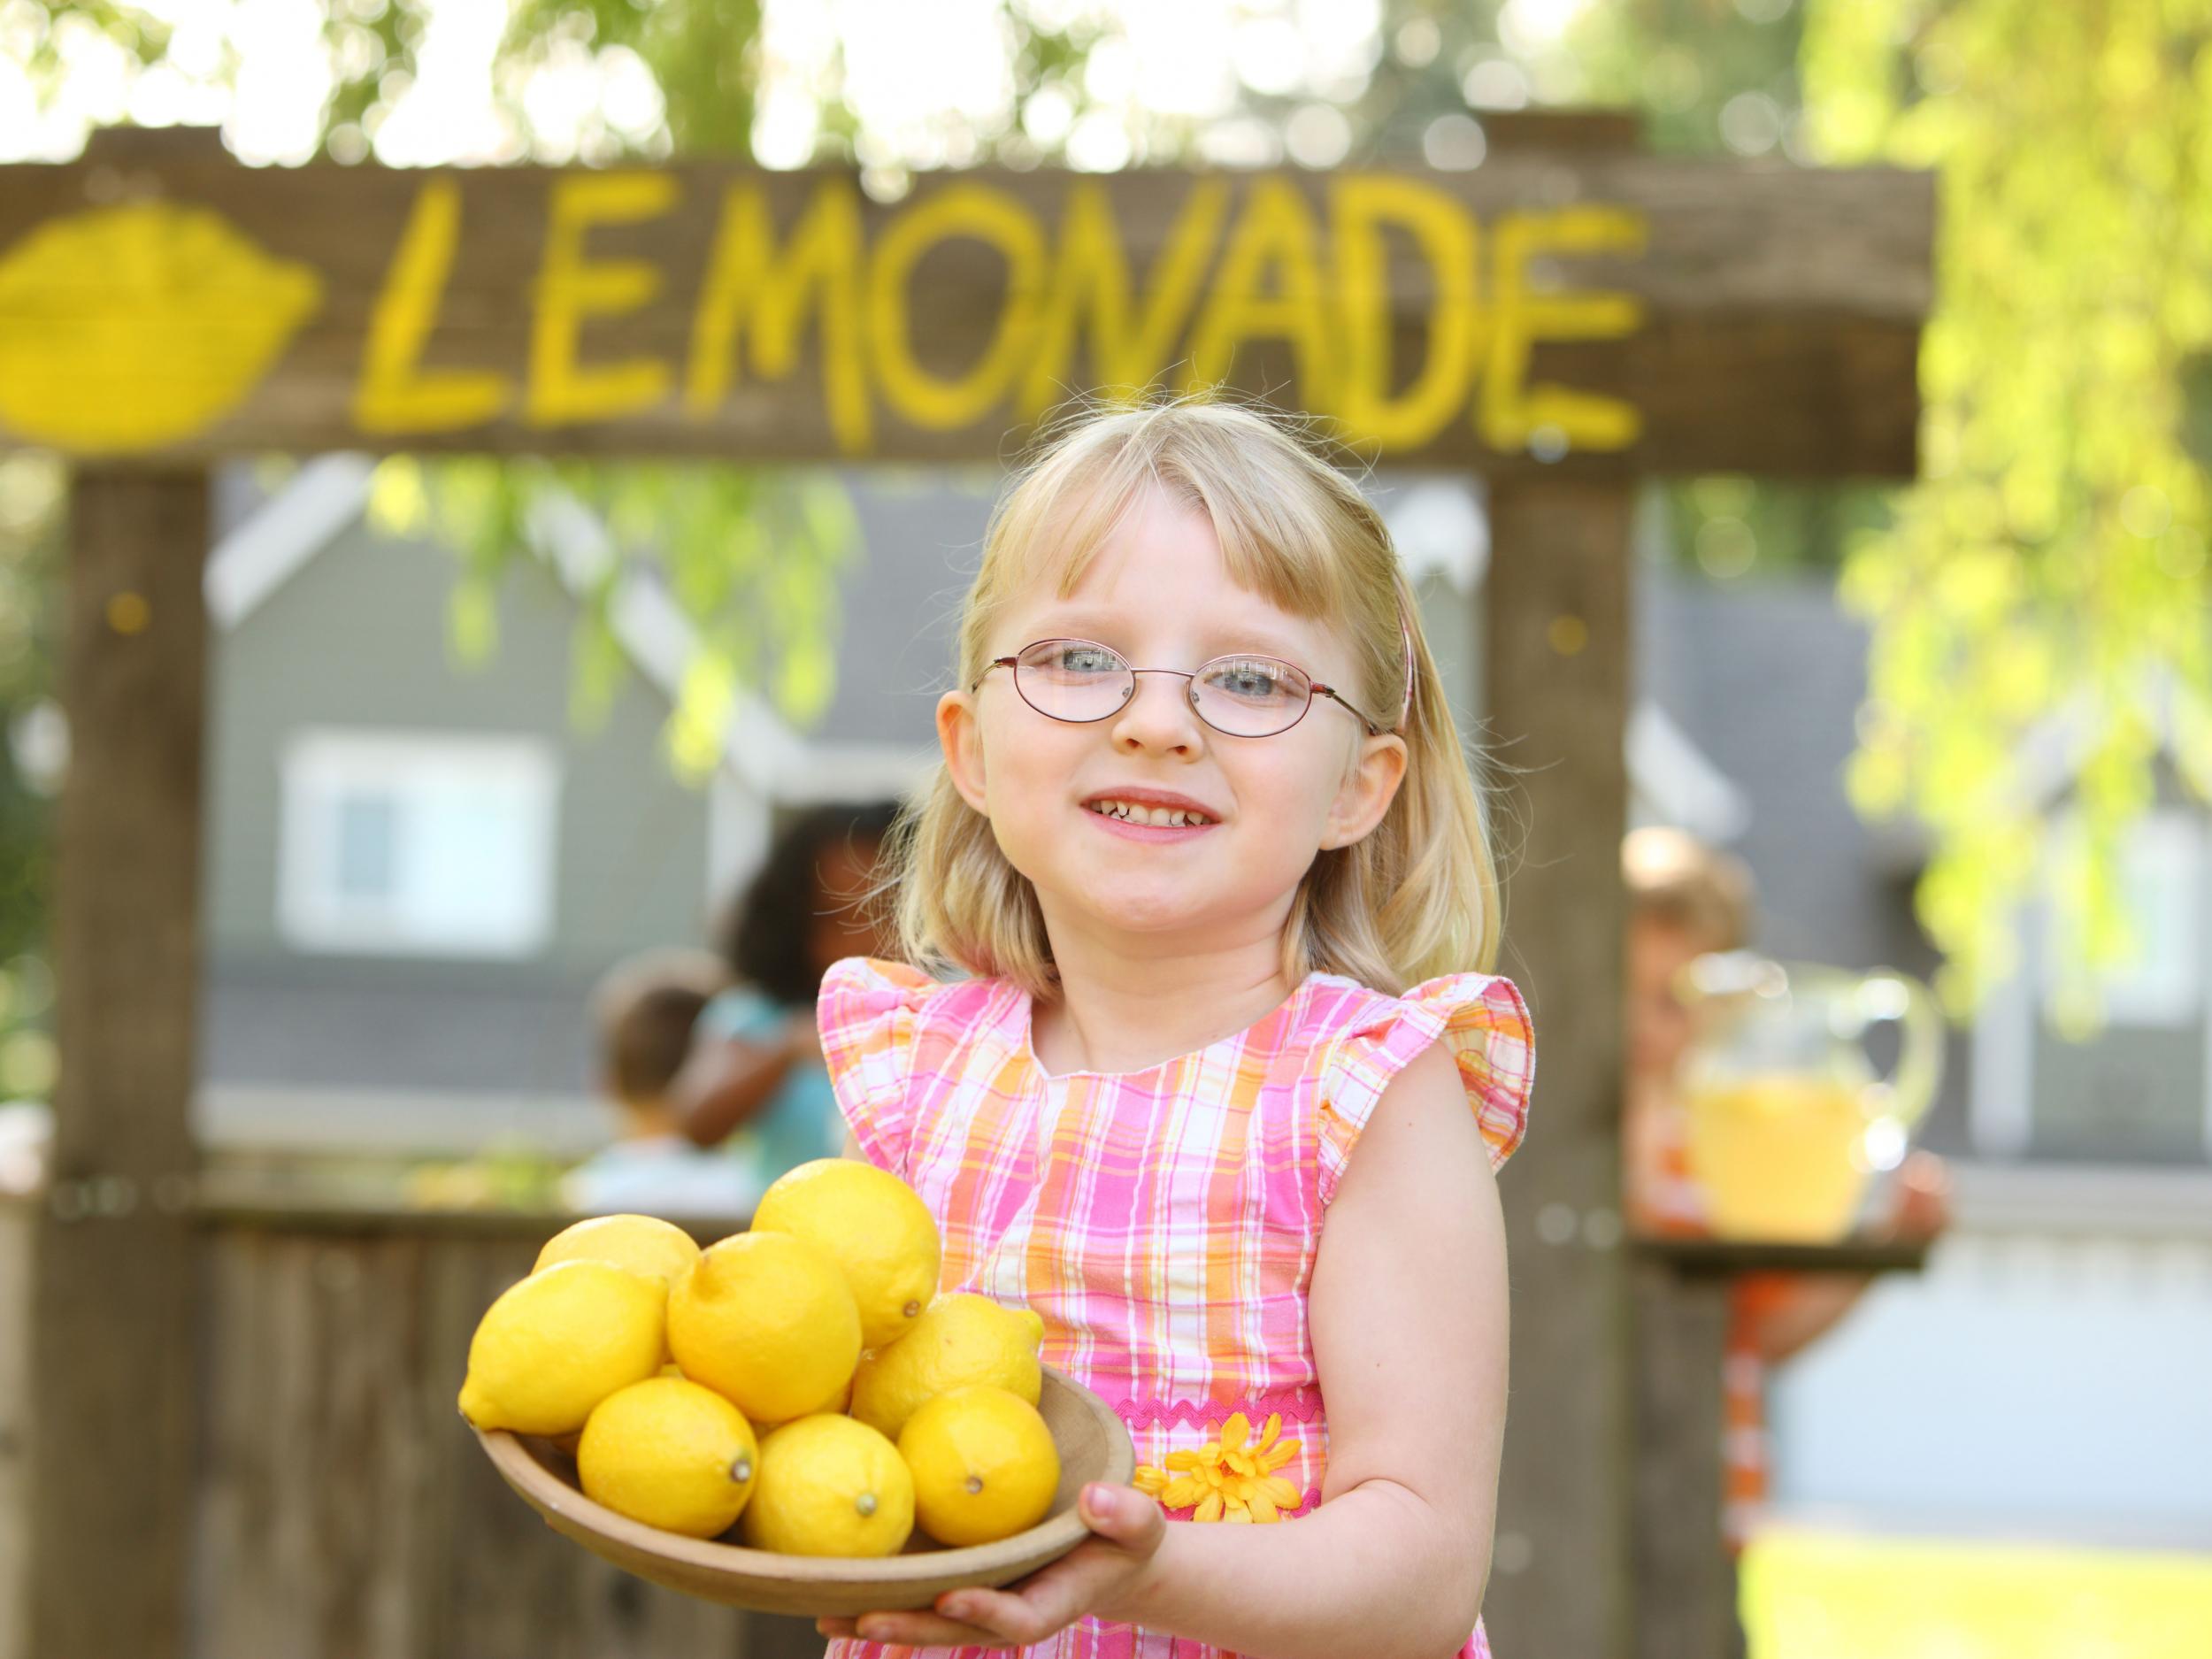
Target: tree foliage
<point>2044,579</point>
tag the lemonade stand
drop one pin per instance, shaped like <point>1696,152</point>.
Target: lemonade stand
<point>252,1407</point>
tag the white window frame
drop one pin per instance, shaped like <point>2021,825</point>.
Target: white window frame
<point>2001,1107</point>
<point>318,764</point>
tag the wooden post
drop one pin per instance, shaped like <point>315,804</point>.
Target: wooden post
<point>1685,1589</point>
<point>114,1273</point>
<point>1556,695</point>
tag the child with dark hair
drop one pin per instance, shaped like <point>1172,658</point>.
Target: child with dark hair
<point>754,1077</point>
<point>644,1010</point>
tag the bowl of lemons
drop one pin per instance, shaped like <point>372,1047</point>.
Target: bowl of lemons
<point>791,1419</point>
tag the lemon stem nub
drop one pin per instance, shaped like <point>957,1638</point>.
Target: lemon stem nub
<point>741,1470</point>
<point>975,1483</point>
<point>865,1503</point>
<point>912,1310</point>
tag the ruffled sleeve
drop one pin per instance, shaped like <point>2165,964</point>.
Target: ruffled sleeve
<point>869,1012</point>
<point>1485,1026</point>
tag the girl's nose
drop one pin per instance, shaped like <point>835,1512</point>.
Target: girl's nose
<point>1159,716</point>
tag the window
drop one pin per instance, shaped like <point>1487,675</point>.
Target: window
<point>2161,888</point>
<point>417,844</point>
<point>2140,1088</point>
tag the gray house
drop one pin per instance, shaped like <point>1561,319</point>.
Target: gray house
<point>418,867</point>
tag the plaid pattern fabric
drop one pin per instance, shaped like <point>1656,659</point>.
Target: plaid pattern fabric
<point>1165,1223</point>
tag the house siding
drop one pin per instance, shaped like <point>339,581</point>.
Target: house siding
<point>358,639</point>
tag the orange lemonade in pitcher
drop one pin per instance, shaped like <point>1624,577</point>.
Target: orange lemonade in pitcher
<point>1779,1155</point>
<point>1786,1118</point>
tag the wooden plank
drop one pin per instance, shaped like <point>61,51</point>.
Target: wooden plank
<point>345,1512</point>
<point>113,1287</point>
<point>1685,1585</point>
<point>1556,689</point>
<point>17,1224</point>
<point>1725,1257</point>
<point>1751,317</point>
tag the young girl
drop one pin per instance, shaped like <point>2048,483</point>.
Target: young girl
<point>1217,1101</point>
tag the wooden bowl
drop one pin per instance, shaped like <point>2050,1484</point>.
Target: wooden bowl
<point>1093,1446</point>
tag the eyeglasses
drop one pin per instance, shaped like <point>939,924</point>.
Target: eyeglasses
<point>1081,680</point>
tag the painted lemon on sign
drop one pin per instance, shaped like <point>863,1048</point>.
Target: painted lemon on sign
<point>125,328</point>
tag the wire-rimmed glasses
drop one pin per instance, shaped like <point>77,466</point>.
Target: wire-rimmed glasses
<point>1241,695</point>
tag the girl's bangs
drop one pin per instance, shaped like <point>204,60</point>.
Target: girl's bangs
<point>1274,528</point>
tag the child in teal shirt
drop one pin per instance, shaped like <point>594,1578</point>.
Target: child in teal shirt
<point>754,1083</point>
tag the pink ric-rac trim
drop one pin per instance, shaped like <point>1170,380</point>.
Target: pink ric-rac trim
<point>1293,1405</point>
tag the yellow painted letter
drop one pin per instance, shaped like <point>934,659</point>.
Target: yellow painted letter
<point>1092,280</point>
<point>1362,204</point>
<point>749,291</point>
<point>1276,230</point>
<point>397,395</point>
<point>987,216</point>
<point>560,390</point>
<point>1513,410</point>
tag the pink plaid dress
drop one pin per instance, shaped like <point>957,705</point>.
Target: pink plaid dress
<point>1165,1223</point>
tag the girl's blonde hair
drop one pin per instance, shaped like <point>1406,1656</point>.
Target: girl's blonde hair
<point>1418,896</point>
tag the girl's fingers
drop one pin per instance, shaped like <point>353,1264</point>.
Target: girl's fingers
<point>926,1630</point>
<point>1124,1515</point>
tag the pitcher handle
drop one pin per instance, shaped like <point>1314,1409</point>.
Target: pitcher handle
<point>1885,996</point>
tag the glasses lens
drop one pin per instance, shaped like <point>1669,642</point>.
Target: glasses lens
<point>1072,679</point>
<point>1250,696</point>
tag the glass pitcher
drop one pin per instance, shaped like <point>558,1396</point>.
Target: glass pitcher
<point>1787,1120</point>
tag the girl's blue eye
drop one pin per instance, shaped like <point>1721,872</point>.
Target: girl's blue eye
<point>1087,659</point>
<point>1254,681</point>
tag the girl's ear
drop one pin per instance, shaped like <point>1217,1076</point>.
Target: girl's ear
<point>960,736</point>
<point>1367,788</point>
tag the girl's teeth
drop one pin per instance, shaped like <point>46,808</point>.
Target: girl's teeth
<point>1129,813</point>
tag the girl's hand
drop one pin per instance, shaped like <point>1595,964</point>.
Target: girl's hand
<point>1127,1528</point>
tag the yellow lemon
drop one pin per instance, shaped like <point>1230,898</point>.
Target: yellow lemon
<point>873,1225</point>
<point>132,327</point>
<point>960,1339</point>
<point>765,1321</point>
<point>641,1243</point>
<point>670,1454</point>
<point>983,1462</point>
<point>830,1487</point>
<point>556,1345</point>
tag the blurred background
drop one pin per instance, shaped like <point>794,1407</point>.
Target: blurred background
<point>482,732</point>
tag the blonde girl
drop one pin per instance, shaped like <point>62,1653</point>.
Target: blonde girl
<point>1224,1091</point>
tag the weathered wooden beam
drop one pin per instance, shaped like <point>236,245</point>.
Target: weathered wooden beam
<point>114,1287</point>
<point>1555,703</point>
<point>1684,1588</point>
<point>1574,306</point>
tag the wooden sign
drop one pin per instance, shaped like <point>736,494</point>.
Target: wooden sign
<point>1650,314</point>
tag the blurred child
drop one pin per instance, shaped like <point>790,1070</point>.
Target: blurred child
<point>754,1083</point>
<point>645,1010</point>
<point>1686,899</point>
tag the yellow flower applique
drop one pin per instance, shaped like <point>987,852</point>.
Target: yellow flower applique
<point>1225,1480</point>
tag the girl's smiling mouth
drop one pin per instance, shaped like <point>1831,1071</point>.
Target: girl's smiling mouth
<point>1152,815</point>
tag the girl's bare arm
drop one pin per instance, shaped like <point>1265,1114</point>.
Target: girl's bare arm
<point>1408,1315</point>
